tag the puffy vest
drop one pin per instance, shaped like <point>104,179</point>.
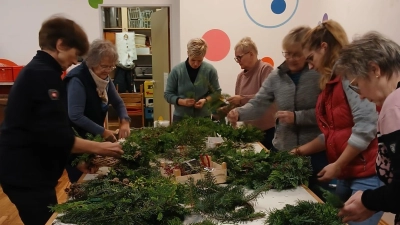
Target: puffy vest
<point>335,120</point>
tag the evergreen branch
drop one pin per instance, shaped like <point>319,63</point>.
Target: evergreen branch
<point>304,213</point>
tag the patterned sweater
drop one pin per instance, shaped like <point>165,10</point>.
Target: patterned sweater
<point>387,198</point>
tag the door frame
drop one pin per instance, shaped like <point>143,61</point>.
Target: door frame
<point>174,30</point>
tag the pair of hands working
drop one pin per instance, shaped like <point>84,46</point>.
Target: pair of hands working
<point>328,173</point>
<point>190,102</point>
<point>353,209</point>
<point>123,132</point>
<point>286,117</point>
<point>109,148</point>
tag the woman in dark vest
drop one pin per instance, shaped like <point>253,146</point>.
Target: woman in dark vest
<point>89,93</point>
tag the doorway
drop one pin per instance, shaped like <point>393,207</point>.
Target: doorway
<point>146,33</point>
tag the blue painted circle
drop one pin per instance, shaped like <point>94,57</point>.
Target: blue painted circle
<point>269,26</point>
<point>278,6</point>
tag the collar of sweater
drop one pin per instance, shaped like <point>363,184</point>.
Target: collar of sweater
<point>253,69</point>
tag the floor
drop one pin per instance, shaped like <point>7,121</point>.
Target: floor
<point>8,212</point>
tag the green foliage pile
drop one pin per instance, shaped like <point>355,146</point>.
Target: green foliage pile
<point>155,200</point>
<point>278,170</point>
<point>134,192</point>
<point>304,213</point>
<point>308,213</point>
<point>122,202</point>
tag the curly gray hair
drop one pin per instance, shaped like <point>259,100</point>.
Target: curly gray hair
<point>100,49</point>
<point>355,59</point>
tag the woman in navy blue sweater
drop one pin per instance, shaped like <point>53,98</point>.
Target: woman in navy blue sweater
<point>89,93</point>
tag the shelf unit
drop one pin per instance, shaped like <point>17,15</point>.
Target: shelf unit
<point>119,19</point>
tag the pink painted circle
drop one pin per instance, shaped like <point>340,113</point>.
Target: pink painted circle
<point>268,60</point>
<point>218,43</point>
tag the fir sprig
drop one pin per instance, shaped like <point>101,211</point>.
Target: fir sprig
<point>278,170</point>
<point>304,213</point>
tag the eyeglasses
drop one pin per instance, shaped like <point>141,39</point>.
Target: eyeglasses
<point>290,55</point>
<point>239,57</point>
<point>111,68</point>
<point>354,87</point>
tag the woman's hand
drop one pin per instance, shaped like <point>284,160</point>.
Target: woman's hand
<point>188,102</point>
<point>199,104</point>
<point>329,172</point>
<point>109,149</point>
<point>235,100</point>
<point>124,129</point>
<point>354,210</point>
<point>296,151</point>
<point>285,117</point>
<point>109,135</point>
<point>233,117</point>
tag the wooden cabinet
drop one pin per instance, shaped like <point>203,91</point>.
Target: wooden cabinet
<point>110,36</point>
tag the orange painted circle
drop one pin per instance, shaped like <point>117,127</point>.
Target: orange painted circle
<point>218,43</point>
<point>268,60</point>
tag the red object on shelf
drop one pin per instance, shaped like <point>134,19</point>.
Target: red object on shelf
<point>6,74</point>
<point>16,70</point>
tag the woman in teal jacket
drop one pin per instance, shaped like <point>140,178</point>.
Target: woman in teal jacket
<point>192,83</point>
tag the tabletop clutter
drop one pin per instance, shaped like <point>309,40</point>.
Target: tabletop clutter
<point>197,172</point>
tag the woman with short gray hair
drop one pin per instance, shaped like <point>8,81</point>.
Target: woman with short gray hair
<point>191,83</point>
<point>372,63</point>
<point>89,94</point>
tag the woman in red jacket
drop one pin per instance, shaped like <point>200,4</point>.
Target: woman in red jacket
<point>372,62</point>
<point>348,123</point>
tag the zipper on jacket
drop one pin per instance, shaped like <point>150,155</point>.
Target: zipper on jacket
<point>364,161</point>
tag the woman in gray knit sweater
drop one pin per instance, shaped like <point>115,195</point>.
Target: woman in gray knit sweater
<point>294,88</point>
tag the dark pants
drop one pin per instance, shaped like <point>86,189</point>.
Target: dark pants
<point>268,137</point>
<point>32,203</point>
<point>318,162</point>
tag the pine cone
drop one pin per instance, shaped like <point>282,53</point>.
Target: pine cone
<point>125,181</point>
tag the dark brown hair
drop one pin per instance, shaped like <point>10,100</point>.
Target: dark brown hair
<point>71,34</point>
<point>333,34</point>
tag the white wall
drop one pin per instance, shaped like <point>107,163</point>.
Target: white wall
<point>356,16</point>
<point>21,21</point>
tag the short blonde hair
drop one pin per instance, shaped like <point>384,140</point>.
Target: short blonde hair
<point>295,36</point>
<point>197,47</point>
<point>246,45</point>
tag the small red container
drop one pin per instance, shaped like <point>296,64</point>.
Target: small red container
<point>6,74</point>
<point>16,70</point>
